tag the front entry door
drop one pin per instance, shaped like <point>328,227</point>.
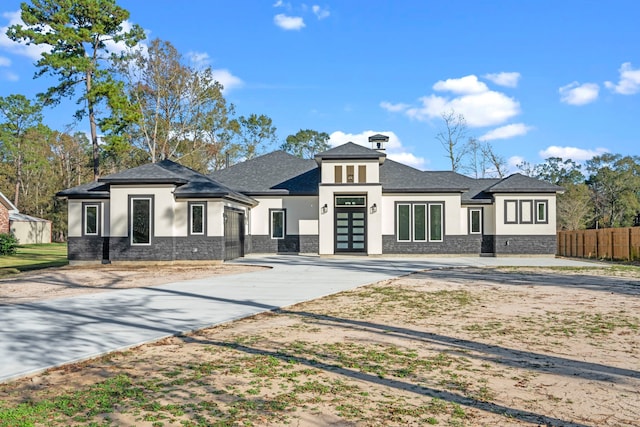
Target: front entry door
<point>351,230</point>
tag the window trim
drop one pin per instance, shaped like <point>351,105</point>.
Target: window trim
<point>545,203</point>
<point>204,218</point>
<point>412,229</point>
<point>426,221</point>
<point>151,199</point>
<point>98,218</point>
<point>480,220</point>
<point>441,204</point>
<point>397,231</point>
<point>284,223</point>
<point>523,210</point>
<point>506,211</point>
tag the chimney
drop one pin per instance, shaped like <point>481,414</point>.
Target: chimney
<point>377,142</point>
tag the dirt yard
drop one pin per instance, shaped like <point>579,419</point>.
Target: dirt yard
<point>451,347</point>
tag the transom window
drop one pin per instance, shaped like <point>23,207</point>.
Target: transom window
<point>141,220</point>
<point>419,222</point>
<point>351,201</point>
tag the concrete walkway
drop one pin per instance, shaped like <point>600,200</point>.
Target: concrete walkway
<point>38,336</point>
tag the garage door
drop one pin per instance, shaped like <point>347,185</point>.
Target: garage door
<point>233,233</point>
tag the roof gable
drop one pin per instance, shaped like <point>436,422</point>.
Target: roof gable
<point>350,151</point>
<point>7,203</point>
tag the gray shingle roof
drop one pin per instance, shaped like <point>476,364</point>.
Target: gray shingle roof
<point>190,184</point>
<point>274,173</point>
<point>350,151</point>
<point>518,183</point>
<point>396,177</point>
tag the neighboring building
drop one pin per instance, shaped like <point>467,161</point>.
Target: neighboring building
<point>27,229</point>
<point>6,208</point>
<point>349,200</point>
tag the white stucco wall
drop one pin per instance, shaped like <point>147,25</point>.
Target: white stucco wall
<point>301,217</point>
<point>453,212</point>
<point>525,229</point>
<point>74,211</point>
<point>164,209</point>
<point>373,194</point>
<point>328,170</point>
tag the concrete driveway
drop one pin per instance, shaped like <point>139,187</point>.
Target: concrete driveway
<point>41,335</point>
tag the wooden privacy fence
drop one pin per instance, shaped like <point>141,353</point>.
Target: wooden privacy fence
<point>605,243</point>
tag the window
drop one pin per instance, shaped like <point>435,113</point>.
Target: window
<point>362,174</point>
<point>91,219</point>
<point>419,223</point>
<point>350,173</point>
<point>351,201</point>
<point>277,223</point>
<point>541,212</point>
<point>197,214</point>
<point>510,211</point>
<point>141,220</point>
<point>435,222</point>
<point>404,223</point>
<point>475,221</point>
<point>415,220</point>
<point>526,212</point>
<point>338,174</point>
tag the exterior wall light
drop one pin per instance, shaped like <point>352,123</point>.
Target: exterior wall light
<point>325,209</point>
<point>374,208</point>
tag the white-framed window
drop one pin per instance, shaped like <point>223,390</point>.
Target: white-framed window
<point>436,224</point>
<point>91,219</point>
<point>419,222</point>
<point>542,207</point>
<point>141,219</point>
<point>277,224</point>
<point>197,218</point>
<point>475,221</point>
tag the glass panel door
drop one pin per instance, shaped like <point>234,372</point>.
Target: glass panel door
<point>351,230</point>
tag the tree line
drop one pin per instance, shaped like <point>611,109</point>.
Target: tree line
<point>143,102</point>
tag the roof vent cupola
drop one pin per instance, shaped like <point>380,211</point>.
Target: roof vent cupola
<point>378,141</point>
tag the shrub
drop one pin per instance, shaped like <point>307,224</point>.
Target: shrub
<point>8,244</point>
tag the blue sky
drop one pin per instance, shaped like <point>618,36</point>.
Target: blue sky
<point>535,78</point>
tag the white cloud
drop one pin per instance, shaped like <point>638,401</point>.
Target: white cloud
<point>505,132</point>
<point>472,98</point>
<point>629,83</point>
<point>30,51</point>
<point>201,60</point>
<point>504,78</point>
<point>394,149</point>
<point>319,12</point>
<point>514,161</point>
<point>573,153</point>
<point>579,94</point>
<point>227,79</point>
<point>394,108</point>
<point>464,86</point>
<point>279,3</point>
<point>4,62</point>
<point>288,22</point>
<point>198,59</point>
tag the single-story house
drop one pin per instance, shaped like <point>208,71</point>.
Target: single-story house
<point>348,200</point>
<point>26,228</point>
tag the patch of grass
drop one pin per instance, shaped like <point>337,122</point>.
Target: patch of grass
<point>34,257</point>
